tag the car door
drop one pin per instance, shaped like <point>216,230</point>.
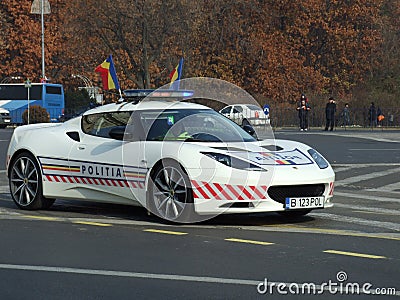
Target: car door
<point>98,160</point>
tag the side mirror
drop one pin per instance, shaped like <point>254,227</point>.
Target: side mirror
<point>249,129</point>
<point>117,133</point>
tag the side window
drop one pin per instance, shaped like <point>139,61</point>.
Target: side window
<point>237,109</point>
<point>226,110</point>
<point>101,124</point>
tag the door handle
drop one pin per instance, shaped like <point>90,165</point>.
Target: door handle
<point>81,147</point>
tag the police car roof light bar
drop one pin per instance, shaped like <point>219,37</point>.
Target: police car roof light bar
<point>158,93</point>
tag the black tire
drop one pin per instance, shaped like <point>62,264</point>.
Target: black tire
<point>25,181</point>
<point>170,195</point>
<point>293,214</point>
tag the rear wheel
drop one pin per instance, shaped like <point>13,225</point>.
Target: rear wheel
<point>25,183</point>
<point>170,194</point>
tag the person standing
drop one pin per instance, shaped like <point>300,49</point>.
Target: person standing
<point>303,110</point>
<point>330,111</point>
<point>372,117</point>
<point>346,115</point>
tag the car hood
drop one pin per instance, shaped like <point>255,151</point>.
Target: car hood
<point>263,153</point>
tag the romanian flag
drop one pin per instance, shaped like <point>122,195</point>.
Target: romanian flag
<point>176,75</point>
<point>108,74</point>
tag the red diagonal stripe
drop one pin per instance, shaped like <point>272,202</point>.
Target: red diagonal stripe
<point>225,194</point>
<point>255,190</point>
<point>246,192</point>
<point>232,189</point>
<point>211,190</point>
<point>200,190</point>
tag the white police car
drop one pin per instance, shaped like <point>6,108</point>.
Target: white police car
<point>182,161</point>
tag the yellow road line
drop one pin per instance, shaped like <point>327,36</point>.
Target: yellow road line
<point>248,241</point>
<point>92,223</point>
<point>42,218</point>
<point>354,254</point>
<point>165,231</point>
<point>302,229</point>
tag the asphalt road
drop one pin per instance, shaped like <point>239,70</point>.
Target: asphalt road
<point>80,250</point>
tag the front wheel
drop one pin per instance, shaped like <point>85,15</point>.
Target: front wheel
<point>170,194</point>
<point>25,181</point>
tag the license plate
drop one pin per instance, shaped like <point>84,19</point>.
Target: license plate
<point>304,202</point>
<point>6,121</point>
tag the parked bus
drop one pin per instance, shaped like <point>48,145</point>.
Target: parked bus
<point>14,98</point>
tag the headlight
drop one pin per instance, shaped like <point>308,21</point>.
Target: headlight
<point>319,159</point>
<point>233,162</point>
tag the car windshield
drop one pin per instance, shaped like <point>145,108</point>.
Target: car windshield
<point>253,107</point>
<point>191,126</point>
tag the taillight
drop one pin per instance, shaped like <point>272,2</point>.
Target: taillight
<point>257,114</point>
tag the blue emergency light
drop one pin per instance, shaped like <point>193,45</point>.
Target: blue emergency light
<point>159,93</point>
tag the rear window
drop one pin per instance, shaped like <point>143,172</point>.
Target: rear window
<point>53,90</point>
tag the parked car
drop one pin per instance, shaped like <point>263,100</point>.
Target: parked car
<point>5,118</point>
<point>246,114</point>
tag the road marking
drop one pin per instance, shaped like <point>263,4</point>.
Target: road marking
<point>359,221</point>
<point>370,209</point>
<point>3,171</point>
<point>377,149</point>
<point>303,229</point>
<point>92,223</point>
<point>4,189</point>
<point>11,215</point>
<point>367,197</point>
<point>42,218</point>
<point>386,188</point>
<point>248,241</point>
<point>175,277</point>
<point>366,165</point>
<point>342,169</point>
<point>354,254</point>
<point>131,274</point>
<point>359,178</point>
<point>375,213</point>
<point>165,231</point>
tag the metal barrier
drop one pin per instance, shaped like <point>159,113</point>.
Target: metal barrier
<point>288,117</point>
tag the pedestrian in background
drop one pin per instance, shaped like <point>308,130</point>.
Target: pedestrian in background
<point>303,110</point>
<point>346,115</point>
<point>380,116</point>
<point>330,111</point>
<point>372,116</point>
<point>303,97</point>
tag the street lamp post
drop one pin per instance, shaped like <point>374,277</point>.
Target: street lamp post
<point>41,7</point>
<point>28,85</point>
